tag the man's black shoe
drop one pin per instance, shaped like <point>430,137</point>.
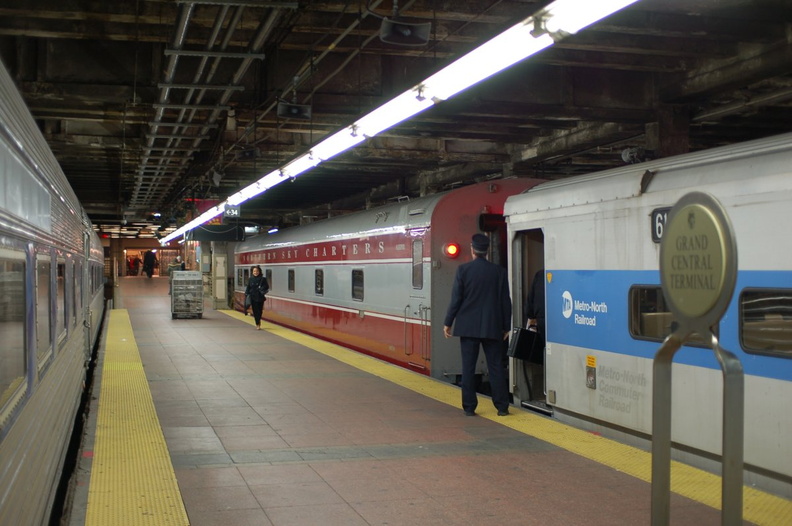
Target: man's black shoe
<point>470,413</point>
<point>503,412</point>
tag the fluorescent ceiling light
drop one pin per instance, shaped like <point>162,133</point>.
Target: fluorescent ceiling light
<point>501,52</point>
<point>299,165</point>
<point>391,113</point>
<point>514,45</point>
<point>338,142</point>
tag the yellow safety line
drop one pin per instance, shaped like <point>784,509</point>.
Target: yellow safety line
<point>132,478</point>
<point>758,507</point>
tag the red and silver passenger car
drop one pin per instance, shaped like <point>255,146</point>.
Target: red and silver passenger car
<point>379,281</point>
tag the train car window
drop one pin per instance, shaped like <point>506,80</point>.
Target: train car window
<point>74,311</point>
<point>766,321</point>
<point>268,274</point>
<point>43,343</point>
<point>417,264</point>
<point>240,280</point>
<point>78,289</point>
<point>245,276</point>
<point>357,284</point>
<point>291,280</point>
<point>108,267</point>
<point>650,319</point>
<point>12,325</point>
<point>60,304</point>
<point>319,282</point>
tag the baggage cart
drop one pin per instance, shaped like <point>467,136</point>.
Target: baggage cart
<point>186,294</point>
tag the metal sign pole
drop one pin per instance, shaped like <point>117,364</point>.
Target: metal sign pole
<point>733,423</point>
<point>661,431</point>
<point>698,272</point>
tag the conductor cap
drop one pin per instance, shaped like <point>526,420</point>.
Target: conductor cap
<point>480,243</point>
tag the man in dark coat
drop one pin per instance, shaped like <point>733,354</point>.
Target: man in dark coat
<point>149,262</point>
<point>480,312</point>
<point>535,304</point>
<point>535,316</point>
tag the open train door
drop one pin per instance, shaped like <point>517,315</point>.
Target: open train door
<point>527,378</point>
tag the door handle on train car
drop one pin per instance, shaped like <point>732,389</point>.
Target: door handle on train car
<point>425,333</point>
<point>407,350</point>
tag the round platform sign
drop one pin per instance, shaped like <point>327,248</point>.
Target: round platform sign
<point>698,259</point>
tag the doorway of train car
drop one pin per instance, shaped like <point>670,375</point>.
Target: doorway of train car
<point>528,298</point>
<point>417,313</point>
<point>494,226</point>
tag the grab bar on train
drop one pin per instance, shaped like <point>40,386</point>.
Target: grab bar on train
<point>407,349</point>
<point>425,333</point>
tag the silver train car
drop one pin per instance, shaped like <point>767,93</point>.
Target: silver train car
<point>51,308</point>
<point>379,280</point>
<point>596,239</point>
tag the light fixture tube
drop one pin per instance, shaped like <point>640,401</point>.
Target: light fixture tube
<point>501,52</point>
<point>299,165</point>
<point>513,45</point>
<point>337,143</point>
<point>393,112</point>
<point>198,221</point>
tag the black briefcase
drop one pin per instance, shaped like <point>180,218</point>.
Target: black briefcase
<point>526,345</point>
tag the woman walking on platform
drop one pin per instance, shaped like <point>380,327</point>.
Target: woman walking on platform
<point>256,291</point>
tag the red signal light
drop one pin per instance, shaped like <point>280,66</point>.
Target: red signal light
<point>451,250</point>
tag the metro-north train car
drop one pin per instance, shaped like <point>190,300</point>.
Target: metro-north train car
<point>379,281</point>
<point>51,307</point>
<point>596,239</point>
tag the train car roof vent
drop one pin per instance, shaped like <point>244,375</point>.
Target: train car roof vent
<point>417,211</point>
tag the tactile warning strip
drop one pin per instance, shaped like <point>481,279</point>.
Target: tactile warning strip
<point>132,478</point>
<point>758,507</point>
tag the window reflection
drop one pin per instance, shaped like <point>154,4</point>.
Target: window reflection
<point>43,339</point>
<point>417,264</point>
<point>766,321</point>
<point>12,327</point>
<point>319,282</point>
<point>357,284</point>
<point>60,304</point>
<point>649,316</point>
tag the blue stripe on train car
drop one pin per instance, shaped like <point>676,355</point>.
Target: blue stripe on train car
<point>589,309</point>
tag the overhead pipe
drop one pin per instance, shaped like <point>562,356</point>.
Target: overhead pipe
<point>263,33</point>
<point>304,72</point>
<point>185,12</point>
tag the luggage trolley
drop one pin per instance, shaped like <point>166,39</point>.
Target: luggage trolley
<point>186,294</point>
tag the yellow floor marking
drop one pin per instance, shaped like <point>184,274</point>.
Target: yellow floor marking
<point>758,507</point>
<point>132,478</point>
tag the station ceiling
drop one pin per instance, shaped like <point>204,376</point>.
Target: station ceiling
<point>162,106</point>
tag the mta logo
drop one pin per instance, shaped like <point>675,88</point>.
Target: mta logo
<point>566,304</point>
